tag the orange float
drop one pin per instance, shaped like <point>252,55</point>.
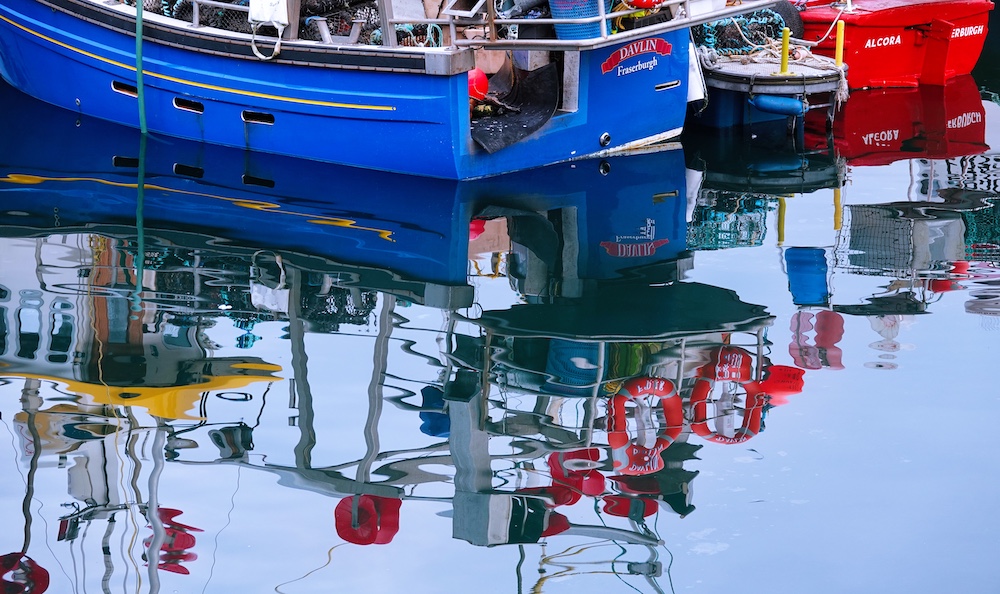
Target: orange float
<point>479,84</point>
<point>645,4</point>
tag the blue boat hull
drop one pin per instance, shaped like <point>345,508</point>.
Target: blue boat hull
<point>396,117</point>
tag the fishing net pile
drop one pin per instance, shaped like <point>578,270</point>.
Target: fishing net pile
<point>723,220</point>
<point>741,34</point>
<point>337,16</point>
<point>754,39</point>
<point>982,235</point>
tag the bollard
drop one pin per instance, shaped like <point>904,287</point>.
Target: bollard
<point>784,50</point>
<point>781,221</point>
<point>839,54</point>
<point>838,211</point>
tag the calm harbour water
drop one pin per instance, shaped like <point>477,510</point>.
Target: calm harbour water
<point>318,380</point>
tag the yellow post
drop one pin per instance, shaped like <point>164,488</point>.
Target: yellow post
<point>838,215</point>
<point>839,55</point>
<point>781,220</point>
<point>784,50</point>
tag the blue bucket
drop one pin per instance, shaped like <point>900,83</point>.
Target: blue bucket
<point>578,9</point>
<point>807,276</point>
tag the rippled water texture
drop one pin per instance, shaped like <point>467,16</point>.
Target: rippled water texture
<point>714,369</point>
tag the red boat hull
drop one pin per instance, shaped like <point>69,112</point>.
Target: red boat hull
<point>901,43</point>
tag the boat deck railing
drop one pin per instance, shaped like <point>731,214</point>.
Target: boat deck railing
<point>678,14</point>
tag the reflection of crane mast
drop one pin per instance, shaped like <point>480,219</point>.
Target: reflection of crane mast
<point>467,448</point>
<point>27,576</point>
<point>649,569</point>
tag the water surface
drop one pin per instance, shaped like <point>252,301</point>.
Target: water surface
<point>707,369</point>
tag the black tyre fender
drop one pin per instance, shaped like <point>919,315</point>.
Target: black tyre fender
<point>791,16</point>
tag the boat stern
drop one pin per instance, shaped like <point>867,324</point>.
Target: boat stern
<point>898,43</point>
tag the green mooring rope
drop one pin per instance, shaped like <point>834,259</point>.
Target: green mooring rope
<point>140,227</point>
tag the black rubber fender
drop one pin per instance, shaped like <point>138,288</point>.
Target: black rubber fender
<point>792,18</point>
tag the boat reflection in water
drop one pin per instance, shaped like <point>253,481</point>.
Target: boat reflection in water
<point>901,254</point>
<point>904,252</point>
<point>740,186</point>
<point>380,360</point>
<point>881,126</point>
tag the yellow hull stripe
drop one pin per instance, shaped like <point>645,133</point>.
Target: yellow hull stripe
<point>197,84</point>
<point>22,179</point>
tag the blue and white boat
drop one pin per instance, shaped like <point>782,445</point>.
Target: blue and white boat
<point>564,82</point>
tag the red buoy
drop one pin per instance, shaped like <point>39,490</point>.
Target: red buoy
<point>478,84</point>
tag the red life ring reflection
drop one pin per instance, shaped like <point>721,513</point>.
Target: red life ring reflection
<point>633,456</point>
<point>574,474</point>
<point>19,574</point>
<point>367,519</point>
<point>576,471</point>
<point>752,415</point>
<point>781,382</point>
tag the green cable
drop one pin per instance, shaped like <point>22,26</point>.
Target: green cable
<point>138,66</point>
<point>140,224</point>
<point>141,95</point>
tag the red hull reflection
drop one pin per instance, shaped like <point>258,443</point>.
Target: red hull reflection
<point>881,126</point>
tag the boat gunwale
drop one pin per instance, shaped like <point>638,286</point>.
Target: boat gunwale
<point>456,58</point>
<point>889,10</point>
<point>797,83</point>
<point>219,42</point>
